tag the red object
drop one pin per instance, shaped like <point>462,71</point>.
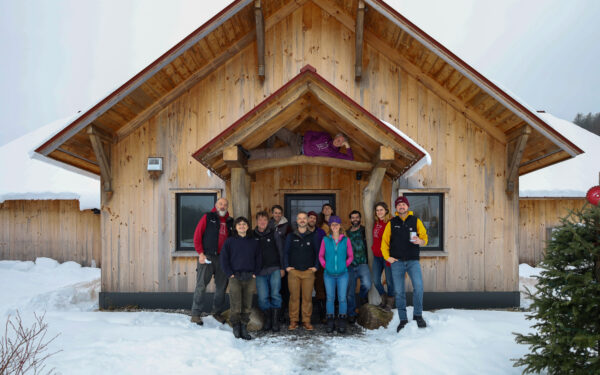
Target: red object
<point>593,195</point>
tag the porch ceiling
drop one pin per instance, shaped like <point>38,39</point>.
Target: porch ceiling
<point>309,102</point>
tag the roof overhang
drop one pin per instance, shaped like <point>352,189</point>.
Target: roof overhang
<point>309,102</point>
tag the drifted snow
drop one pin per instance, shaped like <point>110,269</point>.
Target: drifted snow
<point>93,342</point>
<point>425,160</point>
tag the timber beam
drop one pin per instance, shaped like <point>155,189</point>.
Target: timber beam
<point>260,37</point>
<point>262,164</point>
<point>517,146</point>
<point>359,38</point>
<point>234,157</point>
<point>385,157</point>
<point>102,156</point>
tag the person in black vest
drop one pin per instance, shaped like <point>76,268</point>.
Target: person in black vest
<point>400,247</point>
<point>301,259</point>
<point>210,235</point>
<point>241,262</point>
<point>281,227</point>
<point>268,281</point>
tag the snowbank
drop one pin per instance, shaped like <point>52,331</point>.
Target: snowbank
<point>94,342</point>
<point>527,281</point>
<point>26,175</point>
<point>425,160</point>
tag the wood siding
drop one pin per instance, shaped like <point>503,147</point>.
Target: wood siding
<point>55,229</point>
<point>481,220</point>
<point>536,216</point>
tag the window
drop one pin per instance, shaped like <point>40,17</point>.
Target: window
<point>295,203</point>
<point>429,207</point>
<point>190,208</point>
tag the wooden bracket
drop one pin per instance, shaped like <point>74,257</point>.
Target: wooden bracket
<point>96,139</point>
<point>260,37</point>
<point>359,35</point>
<point>385,157</point>
<point>234,157</point>
<point>518,147</point>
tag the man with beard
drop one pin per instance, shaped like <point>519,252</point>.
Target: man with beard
<point>210,235</point>
<point>320,294</point>
<point>359,268</point>
<point>281,228</point>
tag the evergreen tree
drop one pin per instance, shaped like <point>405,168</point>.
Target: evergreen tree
<point>566,307</point>
<point>590,122</point>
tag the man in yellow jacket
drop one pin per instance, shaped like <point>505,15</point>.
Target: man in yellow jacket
<point>400,243</point>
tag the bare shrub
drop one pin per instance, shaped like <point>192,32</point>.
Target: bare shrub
<point>24,349</point>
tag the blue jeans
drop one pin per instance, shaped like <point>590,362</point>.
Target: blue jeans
<point>413,268</point>
<point>378,267</point>
<point>331,283</point>
<point>363,273</point>
<point>268,288</point>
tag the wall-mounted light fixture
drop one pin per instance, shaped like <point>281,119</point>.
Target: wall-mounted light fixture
<point>155,166</point>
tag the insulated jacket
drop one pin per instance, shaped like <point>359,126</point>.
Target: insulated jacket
<point>395,241</point>
<point>271,249</point>
<point>240,254</point>
<point>281,229</point>
<point>211,232</point>
<point>336,256</point>
<point>301,251</point>
<point>378,228</point>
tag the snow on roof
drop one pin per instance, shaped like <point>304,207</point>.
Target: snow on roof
<point>27,175</point>
<point>570,178</point>
<point>426,160</point>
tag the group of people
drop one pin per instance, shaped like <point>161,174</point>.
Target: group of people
<point>287,264</point>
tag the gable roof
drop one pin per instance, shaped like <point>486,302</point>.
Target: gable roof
<point>24,177</point>
<point>233,28</point>
<point>570,178</point>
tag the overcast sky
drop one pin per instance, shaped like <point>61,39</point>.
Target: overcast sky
<point>61,56</point>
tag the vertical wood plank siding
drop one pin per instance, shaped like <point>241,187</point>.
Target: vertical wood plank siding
<point>481,220</point>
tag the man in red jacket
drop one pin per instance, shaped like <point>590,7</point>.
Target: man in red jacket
<point>209,237</point>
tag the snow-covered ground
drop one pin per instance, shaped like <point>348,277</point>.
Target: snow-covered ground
<point>93,342</point>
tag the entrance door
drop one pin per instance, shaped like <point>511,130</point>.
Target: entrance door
<point>295,203</point>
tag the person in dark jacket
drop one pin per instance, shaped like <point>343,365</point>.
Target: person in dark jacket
<point>281,227</point>
<point>359,268</point>
<point>268,281</point>
<point>400,243</point>
<point>210,235</point>
<point>301,260</point>
<point>314,225</point>
<point>335,256</point>
<point>241,262</point>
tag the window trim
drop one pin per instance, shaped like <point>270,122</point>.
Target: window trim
<point>442,250</point>
<point>297,195</point>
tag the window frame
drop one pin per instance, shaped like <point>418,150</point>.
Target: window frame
<point>442,249</point>
<point>177,250</point>
<point>307,196</point>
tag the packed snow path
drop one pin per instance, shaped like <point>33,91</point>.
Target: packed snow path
<point>94,342</point>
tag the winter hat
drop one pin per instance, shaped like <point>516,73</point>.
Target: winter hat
<point>334,219</point>
<point>312,213</point>
<point>401,199</point>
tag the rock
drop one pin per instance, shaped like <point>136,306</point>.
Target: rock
<point>373,317</point>
<point>256,319</point>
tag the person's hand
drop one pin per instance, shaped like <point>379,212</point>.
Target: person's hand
<point>282,272</point>
<point>417,241</point>
<point>254,276</point>
<point>391,260</point>
<point>314,269</point>
<point>289,269</point>
<point>202,258</point>
<point>346,144</point>
<point>232,276</point>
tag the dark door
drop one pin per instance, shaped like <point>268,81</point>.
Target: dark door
<point>295,203</point>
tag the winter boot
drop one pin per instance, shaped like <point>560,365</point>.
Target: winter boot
<point>383,302</point>
<point>219,318</point>
<point>244,332</point>
<point>275,319</point>
<point>351,319</point>
<point>330,324</point>
<point>197,319</point>
<point>322,311</point>
<point>390,303</point>
<point>236,330</point>
<point>341,326</point>
<point>401,325</point>
<point>420,321</point>
<point>268,324</point>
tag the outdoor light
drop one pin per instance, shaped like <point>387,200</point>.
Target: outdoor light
<point>155,166</point>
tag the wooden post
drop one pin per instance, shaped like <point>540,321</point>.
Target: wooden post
<point>240,181</point>
<point>515,157</point>
<point>370,194</point>
<point>359,35</point>
<point>260,38</point>
<point>96,137</point>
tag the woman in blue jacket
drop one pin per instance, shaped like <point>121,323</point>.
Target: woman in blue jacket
<point>335,256</point>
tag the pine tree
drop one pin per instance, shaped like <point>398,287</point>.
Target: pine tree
<point>566,307</point>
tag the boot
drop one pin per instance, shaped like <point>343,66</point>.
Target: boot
<point>197,319</point>
<point>330,323</point>
<point>341,326</point>
<point>401,325</point>
<point>268,320</point>
<point>351,319</point>
<point>390,303</point>
<point>244,332</point>
<point>322,311</point>
<point>420,321</point>
<point>275,319</point>
<point>236,330</point>
<point>383,302</point>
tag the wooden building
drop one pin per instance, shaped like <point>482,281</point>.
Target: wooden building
<point>45,210</point>
<point>357,67</point>
<point>547,195</point>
